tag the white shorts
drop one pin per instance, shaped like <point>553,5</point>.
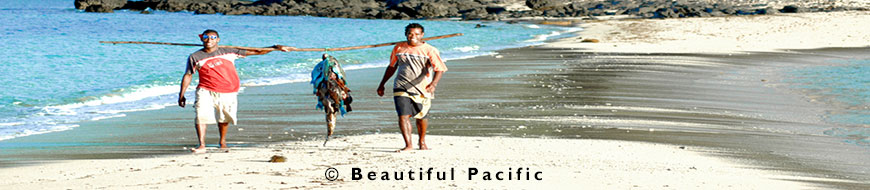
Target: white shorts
<point>215,107</point>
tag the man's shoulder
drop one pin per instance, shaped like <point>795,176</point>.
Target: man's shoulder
<point>201,54</point>
<point>429,47</point>
<point>198,52</point>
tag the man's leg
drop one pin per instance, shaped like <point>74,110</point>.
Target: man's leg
<point>200,134</point>
<point>405,127</point>
<point>222,127</point>
<point>421,131</point>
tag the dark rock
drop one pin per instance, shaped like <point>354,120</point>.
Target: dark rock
<point>278,159</point>
<point>464,6</point>
<point>98,9</point>
<point>267,2</point>
<point>372,13</point>
<point>666,13</point>
<point>403,16</point>
<point>476,14</point>
<point>833,9</point>
<point>746,12</point>
<point>389,14</point>
<point>729,11</point>
<point>552,13</point>
<point>326,4</point>
<point>590,40</point>
<point>393,3</point>
<point>102,6</point>
<point>172,5</point>
<point>766,11</point>
<point>454,12</point>
<point>432,10</point>
<point>792,9</point>
<point>644,10</point>
<point>220,7</point>
<point>201,8</point>
<point>717,14</point>
<point>139,5</point>
<point>543,4</point>
<point>495,10</point>
<point>408,7</point>
<point>596,12</point>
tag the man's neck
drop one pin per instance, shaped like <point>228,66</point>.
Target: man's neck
<point>415,45</point>
<point>209,50</point>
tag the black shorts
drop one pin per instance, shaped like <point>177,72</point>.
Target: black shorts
<point>406,106</point>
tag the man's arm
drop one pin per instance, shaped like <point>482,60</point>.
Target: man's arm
<point>185,81</point>
<point>431,87</point>
<point>256,52</point>
<point>387,74</point>
<point>440,68</point>
<point>261,52</point>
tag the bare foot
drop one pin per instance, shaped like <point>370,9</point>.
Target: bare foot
<point>198,150</point>
<point>405,149</point>
<point>424,147</point>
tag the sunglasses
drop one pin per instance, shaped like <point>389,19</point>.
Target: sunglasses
<point>209,36</point>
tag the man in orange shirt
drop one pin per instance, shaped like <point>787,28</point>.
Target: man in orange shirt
<point>419,67</point>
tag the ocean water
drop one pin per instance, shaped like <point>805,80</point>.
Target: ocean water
<point>846,86</point>
<point>56,73</point>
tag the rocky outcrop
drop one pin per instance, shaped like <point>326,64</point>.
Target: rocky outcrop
<point>543,4</point>
<point>464,9</point>
<point>101,6</point>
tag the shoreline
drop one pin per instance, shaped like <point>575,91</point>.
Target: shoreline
<point>613,97</point>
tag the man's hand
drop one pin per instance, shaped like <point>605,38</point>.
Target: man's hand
<point>182,101</point>
<point>430,88</point>
<point>285,48</point>
<point>381,90</point>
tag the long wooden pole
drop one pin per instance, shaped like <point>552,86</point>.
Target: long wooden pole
<point>273,49</point>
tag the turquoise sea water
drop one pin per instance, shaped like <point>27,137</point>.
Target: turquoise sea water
<point>845,85</point>
<point>55,73</point>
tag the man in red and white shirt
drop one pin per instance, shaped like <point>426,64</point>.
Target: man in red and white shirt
<point>218,85</point>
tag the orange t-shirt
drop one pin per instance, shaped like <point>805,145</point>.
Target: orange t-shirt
<point>415,67</point>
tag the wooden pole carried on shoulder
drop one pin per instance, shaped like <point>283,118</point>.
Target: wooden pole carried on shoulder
<point>274,49</point>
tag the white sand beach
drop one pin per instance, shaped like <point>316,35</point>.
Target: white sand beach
<point>736,34</point>
<point>562,163</point>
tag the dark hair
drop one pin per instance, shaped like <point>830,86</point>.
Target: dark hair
<point>414,25</point>
<point>211,31</point>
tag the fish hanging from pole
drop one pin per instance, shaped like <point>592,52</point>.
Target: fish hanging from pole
<point>330,87</point>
